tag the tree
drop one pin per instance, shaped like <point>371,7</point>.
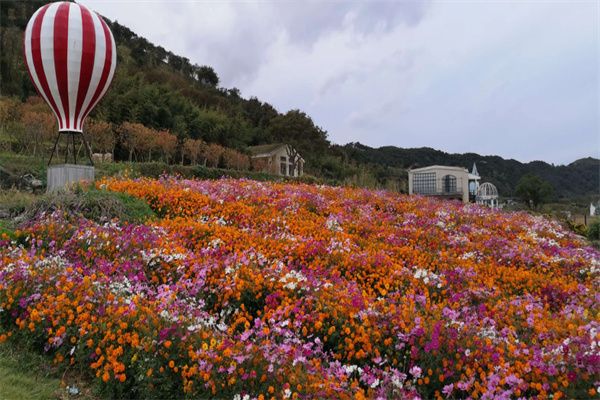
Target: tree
<point>594,229</point>
<point>534,191</point>
<point>134,137</point>
<point>298,130</point>
<point>235,160</point>
<point>101,136</point>
<point>192,149</point>
<point>212,154</point>
<point>207,76</point>
<point>166,144</point>
<point>39,127</point>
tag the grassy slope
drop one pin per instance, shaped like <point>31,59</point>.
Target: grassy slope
<point>25,375</point>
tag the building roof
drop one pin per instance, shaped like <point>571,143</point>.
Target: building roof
<point>265,149</point>
<point>437,167</point>
<point>471,177</point>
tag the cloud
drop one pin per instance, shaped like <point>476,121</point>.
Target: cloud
<point>307,22</point>
<point>490,77</point>
<point>235,37</point>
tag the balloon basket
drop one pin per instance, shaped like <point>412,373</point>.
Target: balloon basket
<point>64,176</point>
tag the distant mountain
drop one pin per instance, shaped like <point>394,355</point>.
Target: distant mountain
<point>580,178</point>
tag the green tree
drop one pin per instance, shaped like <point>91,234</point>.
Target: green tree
<point>207,76</point>
<point>593,232</point>
<point>534,191</point>
<point>299,131</point>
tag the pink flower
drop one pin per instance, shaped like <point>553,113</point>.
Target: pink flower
<point>415,371</point>
<point>448,390</point>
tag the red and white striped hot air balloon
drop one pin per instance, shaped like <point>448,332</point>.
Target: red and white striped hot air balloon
<point>71,58</point>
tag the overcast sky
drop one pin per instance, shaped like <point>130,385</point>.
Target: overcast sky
<point>514,79</point>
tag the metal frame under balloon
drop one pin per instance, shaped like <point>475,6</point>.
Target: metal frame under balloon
<point>71,135</point>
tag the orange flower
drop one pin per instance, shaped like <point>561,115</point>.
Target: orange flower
<point>167,344</point>
<point>171,363</point>
<point>3,338</point>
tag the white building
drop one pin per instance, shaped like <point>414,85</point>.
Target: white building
<point>445,182</point>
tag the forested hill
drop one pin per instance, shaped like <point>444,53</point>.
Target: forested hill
<point>579,178</point>
<point>165,92</point>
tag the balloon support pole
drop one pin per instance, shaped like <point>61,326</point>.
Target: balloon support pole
<point>71,138</point>
<point>64,176</point>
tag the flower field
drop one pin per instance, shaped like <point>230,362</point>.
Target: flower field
<point>250,290</point>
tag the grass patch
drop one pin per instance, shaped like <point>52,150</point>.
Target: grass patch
<point>125,207</point>
<point>25,375</point>
<point>93,204</point>
<point>14,202</point>
<point>6,230</point>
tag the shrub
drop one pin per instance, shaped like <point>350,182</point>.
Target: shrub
<point>593,232</point>
<point>578,228</point>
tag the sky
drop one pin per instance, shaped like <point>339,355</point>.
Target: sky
<point>514,79</point>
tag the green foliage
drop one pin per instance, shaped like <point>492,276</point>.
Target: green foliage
<point>593,232</point>
<point>534,191</point>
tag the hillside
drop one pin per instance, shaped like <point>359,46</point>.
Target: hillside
<point>241,289</point>
<point>169,95</point>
